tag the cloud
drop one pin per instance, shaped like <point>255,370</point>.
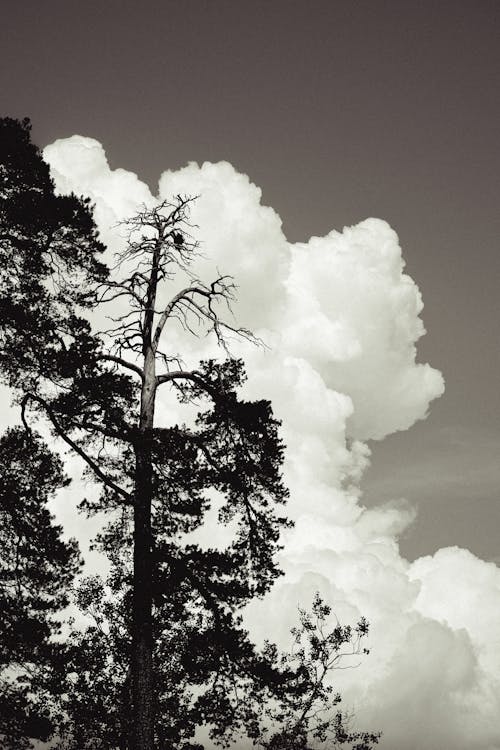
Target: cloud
<point>79,164</point>
<point>342,321</point>
<point>357,315</point>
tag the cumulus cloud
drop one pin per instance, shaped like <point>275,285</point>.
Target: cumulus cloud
<point>358,316</point>
<point>342,320</point>
<point>79,165</point>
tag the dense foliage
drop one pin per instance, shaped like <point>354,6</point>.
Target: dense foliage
<point>36,573</point>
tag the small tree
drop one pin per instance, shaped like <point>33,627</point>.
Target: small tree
<point>306,714</point>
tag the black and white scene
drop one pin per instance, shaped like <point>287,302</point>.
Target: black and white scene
<point>249,356</point>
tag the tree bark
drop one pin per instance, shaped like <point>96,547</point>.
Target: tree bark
<point>142,734</point>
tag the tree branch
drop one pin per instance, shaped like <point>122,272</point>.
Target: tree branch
<point>166,314</point>
<point>123,363</point>
<point>88,460</point>
<point>220,289</point>
<point>194,376</point>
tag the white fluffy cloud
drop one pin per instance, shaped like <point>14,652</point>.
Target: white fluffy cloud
<point>354,315</point>
<point>341,320</point>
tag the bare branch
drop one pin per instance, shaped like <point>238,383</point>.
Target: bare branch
<point>166,314</point>
<point>222,288</point>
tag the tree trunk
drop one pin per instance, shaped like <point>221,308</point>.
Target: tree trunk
<point>142,636</point>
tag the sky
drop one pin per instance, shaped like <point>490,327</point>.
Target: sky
<point>382,118</point>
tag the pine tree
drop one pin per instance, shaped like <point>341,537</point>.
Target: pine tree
<point>166,652</point>
<point>98,395</point>
<point>37,569</point>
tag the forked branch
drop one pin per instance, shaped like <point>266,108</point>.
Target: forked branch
<point>198,301</point>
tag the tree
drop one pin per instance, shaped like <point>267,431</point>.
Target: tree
<point>36,573</point>
<point>234,449</point>
<point>43,237</point>
<point>95,397</point>
<point>168,646</point>
<point>307,713</point>
<point>286,702</point>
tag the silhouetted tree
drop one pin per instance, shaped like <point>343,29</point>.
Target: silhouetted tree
<point>166,652</point>
<point>233,449</point>
<point>99,396</point>
<point>46,256</point>
<point>281,701</point>
<point>36,572</point>
<point>307,714</point>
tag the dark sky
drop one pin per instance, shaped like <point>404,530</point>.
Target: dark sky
<point>339,111</point>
